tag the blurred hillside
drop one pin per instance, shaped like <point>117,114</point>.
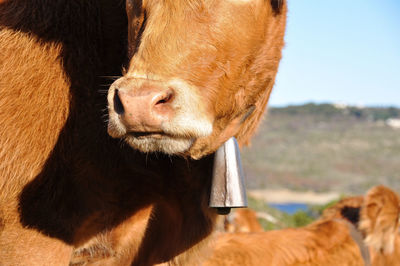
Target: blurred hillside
<point>325,148</point>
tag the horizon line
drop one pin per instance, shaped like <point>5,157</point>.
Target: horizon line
<point>357,105</point>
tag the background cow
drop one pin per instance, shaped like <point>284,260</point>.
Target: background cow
<point>355,231</point>
<point>376,215</point>
<point>69,192</point>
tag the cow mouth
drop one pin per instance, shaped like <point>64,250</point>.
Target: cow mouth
<point>154,135</point>
<point>151,141</point>
<point>142,135</point>
<point>158,142</point>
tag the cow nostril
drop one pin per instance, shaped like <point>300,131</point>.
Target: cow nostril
<point>165,99</point>
<point>118,107</point>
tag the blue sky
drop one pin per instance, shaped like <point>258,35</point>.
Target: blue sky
<point>340,51</point>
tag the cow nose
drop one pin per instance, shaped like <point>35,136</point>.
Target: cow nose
<point>144,109</point>
<point>118,107</point>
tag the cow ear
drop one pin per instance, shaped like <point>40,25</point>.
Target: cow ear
<point>379,218</point>
<point>277,5</point>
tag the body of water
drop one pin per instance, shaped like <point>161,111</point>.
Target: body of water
<point>289,208</point>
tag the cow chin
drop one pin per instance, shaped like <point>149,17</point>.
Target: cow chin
<point>175,137</point>
<point>164,144</point>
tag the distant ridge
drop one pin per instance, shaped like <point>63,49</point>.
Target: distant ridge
<point>323,147</point>
<point>374,113</point>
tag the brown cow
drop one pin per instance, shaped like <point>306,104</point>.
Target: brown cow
<point>329,241</point>
<point>376,215</point>
<point>69,192</point>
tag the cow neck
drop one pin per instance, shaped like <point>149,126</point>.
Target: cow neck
<point>359,239</point>
<point>181,210</point>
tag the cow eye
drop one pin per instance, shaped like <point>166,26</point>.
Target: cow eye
<point>136,21</point>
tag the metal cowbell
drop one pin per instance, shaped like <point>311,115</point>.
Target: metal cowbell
<point>227,187</point>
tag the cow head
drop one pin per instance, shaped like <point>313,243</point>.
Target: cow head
<point>200,72</point>
<point>380,218</point>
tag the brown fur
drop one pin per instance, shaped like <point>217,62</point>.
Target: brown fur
<point>324,242</point>
<point>242,220</point>
<point>70,193</point>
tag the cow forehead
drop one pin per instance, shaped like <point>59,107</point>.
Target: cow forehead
<point>183,35</point>
<point>240,1</point>
<point>195,4</point>
<point>187,8</point>
<point>276,4</point>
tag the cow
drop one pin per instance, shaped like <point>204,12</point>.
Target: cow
<point>355,231</point>
<point>83,186</point>
<point>376,215</point>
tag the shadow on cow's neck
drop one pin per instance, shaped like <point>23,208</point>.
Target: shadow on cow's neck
<point>60,199</point>
<point>88,175</point>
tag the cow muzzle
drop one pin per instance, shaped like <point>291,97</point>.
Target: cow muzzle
<point>153,115</point>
